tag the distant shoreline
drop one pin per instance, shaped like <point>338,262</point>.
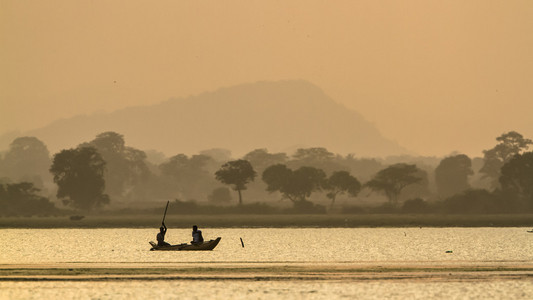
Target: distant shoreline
<point>273,221</point>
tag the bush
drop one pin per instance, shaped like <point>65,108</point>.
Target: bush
<point>191,207</point>
<point>306,207</point>
<point>23,199</point>
<point>475,202</point>
<point>254,208</point>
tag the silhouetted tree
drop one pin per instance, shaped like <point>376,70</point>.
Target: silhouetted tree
<point>296,185</point>
<point>237,173</point>
<point>277,177</point>
<point>27,159</point>
<point>510,144</point>
<point>79,175</point>
<point>23,199</point>
<point>517,179</point>
<point>341,182</point>
<point>126,168</point>
<point>260,159</point>
<point>419,189</point>
<point>451,175</point>
<point>393,179</point>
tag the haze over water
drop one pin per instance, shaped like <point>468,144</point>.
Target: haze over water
<point>434,76</point>
<point>426,77</point>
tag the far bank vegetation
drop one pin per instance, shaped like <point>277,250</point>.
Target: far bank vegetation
<point>105,175</point>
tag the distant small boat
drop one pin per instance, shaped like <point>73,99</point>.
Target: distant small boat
<point>209,245</point>
<point>530,231</point>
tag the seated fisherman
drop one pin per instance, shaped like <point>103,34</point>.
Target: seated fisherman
<point>161,235</point>
<point>197,237</point>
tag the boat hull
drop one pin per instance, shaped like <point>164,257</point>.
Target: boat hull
<point>205,246</point>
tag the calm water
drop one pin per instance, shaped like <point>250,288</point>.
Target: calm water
<point>271,245</point>
<point>378,246</point>
<point>267,290</point>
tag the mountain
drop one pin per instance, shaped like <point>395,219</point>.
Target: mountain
<point>279,116</point>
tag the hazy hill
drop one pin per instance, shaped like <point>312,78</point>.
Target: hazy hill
<point>280,116</point>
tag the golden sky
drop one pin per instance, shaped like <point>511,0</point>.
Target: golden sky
<point>436,76</point>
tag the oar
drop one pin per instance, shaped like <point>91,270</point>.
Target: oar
<point>165,212</point>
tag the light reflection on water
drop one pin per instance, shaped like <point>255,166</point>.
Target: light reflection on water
<point>271,245</point>
<point>267,290</point>
<point>421,246</point>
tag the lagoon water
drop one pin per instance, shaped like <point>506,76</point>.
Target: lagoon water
<point>271,245</point>
<point>307,246</point>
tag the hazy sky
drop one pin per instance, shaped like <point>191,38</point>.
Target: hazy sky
<point>436,76</point>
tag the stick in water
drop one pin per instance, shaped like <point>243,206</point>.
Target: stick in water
<point>242,243</point>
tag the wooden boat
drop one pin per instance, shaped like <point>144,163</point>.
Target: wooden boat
<point>209,245</point>
<point>530,231</point>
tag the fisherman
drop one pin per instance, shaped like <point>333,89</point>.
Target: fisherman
<point>161,235</point>
<point>197,237</point>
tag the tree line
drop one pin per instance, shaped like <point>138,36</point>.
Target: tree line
<point>105,172</point>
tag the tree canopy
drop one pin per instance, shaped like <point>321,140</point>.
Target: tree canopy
<point>510,144</point>
<point>313,154</point>
<point>451,175</point>
<point>341,182</point>
<point>86,175</point>
<point>79,175</point>
<point>23,199</point>
<point>237,173</point>
<point>126,168</point>
<point>27,159</point>
<point>317,157</point>
<point>517,179</point>
<point>393,179</point>
<point>296,185</point>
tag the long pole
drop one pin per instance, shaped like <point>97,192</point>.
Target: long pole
<point>165,212</point>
